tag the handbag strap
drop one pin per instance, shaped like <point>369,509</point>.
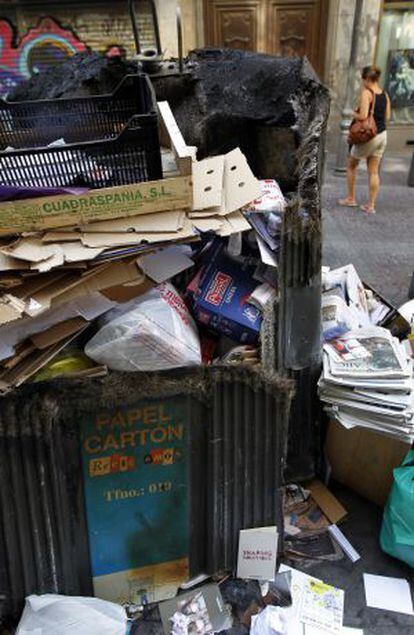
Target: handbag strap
<point>372,107</point>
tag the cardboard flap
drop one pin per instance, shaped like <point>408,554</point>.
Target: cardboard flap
<point>223,184</point>
<point>58,332</point>
<point>331,507</point>
<point>165,263</point>
<point>30,249</point>
<point>212,223</point>
<point>44,256</point>
<point>126,292</point>
<point>171,136</point>
<point>11,308</point>
<point>208,183</point>
<point>233,223</point>
<point>123,201</point>
<point>240,185</point>
<point>162,222</point>
<point>9,263</point>
<point>118,240</point>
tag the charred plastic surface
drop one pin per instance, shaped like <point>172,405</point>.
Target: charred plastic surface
<point>236,98</point>
<point>82,75</point>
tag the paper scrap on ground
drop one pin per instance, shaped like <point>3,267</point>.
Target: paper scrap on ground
<point>389,594</point>
<point>344,543</point>
<point>257,553</point>
<point>315,603</point>
<point>322,606</point>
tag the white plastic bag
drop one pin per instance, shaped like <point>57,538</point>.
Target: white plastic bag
<point>153,332</point>
<point>64,615</point>
<point>271,621</point>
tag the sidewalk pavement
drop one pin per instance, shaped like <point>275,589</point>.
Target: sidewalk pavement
<point>380,246</point>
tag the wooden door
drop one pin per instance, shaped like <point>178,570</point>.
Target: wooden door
<point>236,25</point>
<point>280,27</point>
<point>298,28</point>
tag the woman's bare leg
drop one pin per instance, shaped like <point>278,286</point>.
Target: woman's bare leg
<point>373,164</point>
<point>351,182</point>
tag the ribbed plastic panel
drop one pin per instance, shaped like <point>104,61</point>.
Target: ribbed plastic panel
<point>246,450</point>
<point>42,532</point>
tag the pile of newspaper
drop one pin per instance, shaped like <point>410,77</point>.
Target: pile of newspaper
<point>367,381</point>
<point>367,377</point>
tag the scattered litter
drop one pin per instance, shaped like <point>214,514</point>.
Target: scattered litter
<point>51,614</point>
<point>220,296</point>
<point>257,553</point>
<point>271,621</point>
<point>165,263</point>
<point>201,611</point>
<point>263,295</point>
<point>331,507</point>
<point>388,594</point>
<point>344,543</point>
<point>315,603</point>
<point>153,332</point>
<point>242,355</point>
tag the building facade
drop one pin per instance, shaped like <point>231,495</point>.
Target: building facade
<point>35,34</point>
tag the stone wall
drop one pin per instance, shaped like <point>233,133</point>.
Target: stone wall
<point>338,55</point>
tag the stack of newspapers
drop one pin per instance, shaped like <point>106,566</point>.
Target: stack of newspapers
<point>367,381</point>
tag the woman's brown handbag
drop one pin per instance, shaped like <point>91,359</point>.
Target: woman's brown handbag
<point>361,131</point>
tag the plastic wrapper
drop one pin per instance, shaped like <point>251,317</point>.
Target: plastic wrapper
<point>271,621</point>
<point>271,200</point>
<point>337,317</point>
<point>52,614</point>
<point>153,332</point>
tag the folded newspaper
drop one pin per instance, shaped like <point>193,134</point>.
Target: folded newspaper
<point>367,381</point>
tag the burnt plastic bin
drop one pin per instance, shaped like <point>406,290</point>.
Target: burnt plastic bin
<point>114,140</point>
<point>246,430</point>
<point>44,542</point>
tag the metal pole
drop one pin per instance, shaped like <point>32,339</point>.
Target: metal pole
<point>156,26</point>
<point>346,117</point>
<point>180,40</point>
<point>134,22</point>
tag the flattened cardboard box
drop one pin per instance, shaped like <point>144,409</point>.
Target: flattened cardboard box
<point>364,460</point>
<point>96,205</point>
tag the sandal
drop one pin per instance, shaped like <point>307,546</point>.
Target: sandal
<point>367,209</point>
<point>345,202</point>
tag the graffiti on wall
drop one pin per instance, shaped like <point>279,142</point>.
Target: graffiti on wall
<point>42,46</point>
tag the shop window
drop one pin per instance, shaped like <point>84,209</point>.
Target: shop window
<point>395,55</point>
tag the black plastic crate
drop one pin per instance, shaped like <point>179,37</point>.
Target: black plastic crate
<point>109,140</point>
<point>132,157</point>
<point>31,124</point>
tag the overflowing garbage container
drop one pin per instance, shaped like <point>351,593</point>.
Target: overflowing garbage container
<point>160,336</point>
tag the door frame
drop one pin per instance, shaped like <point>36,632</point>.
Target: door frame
<point>327,13</point>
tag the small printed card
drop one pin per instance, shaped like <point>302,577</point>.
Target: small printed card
<point>257,553</point>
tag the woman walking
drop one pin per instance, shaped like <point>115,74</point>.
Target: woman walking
<point>373,99</point>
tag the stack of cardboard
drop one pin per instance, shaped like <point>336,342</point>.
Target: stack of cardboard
<point>65,260</point>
